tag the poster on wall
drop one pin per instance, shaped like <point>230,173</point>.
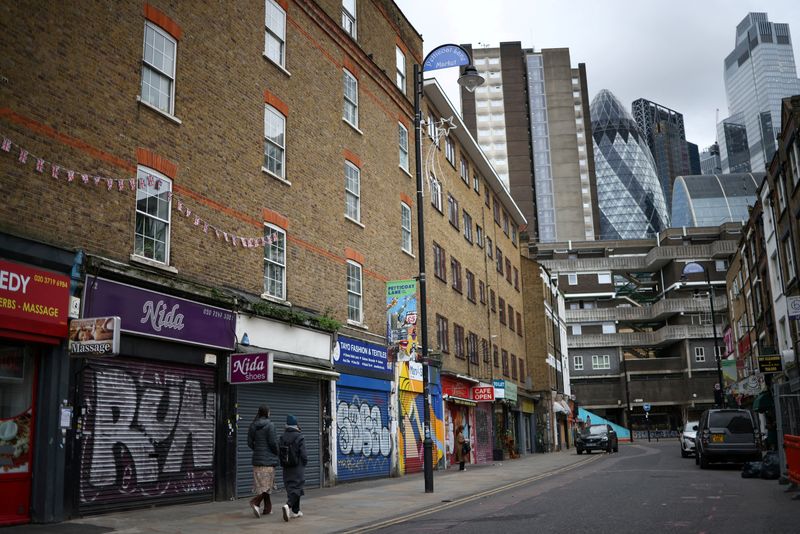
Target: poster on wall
<point>401,320</point>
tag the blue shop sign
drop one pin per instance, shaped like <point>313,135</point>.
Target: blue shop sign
<point>361,355</point>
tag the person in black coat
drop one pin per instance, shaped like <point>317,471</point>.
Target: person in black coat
<point>261,438</point>
<point>294,477</point>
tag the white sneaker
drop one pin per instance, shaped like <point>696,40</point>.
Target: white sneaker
<point>256,510</point>
<point>298,514</point>
<point>286,512</point>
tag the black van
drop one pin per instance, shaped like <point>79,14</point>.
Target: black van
<point>727,435</point>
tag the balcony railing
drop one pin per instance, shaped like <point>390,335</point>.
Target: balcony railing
<point>658,311</point>
<point>663,336</point>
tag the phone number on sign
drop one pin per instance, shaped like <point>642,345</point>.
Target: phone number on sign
<point>38,278</point>
<point>217,314</point>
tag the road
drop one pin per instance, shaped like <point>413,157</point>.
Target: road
<point>646,487</point>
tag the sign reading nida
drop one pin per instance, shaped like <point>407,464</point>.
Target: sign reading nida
<point>94,337</point>
<point>254,368</point>
<point>150,313</point>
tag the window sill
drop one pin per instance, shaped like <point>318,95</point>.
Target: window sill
<point>173,118</point>
<point>356,324</point>
<point>276,300</point>
<point>152,263</point>
<point>275,176</point>
<point>353,126</point>
<point>357,223</point>
<point>405,171</point>
<point>278,65</point>
<point>407,253</point>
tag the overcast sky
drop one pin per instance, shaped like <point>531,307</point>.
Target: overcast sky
<point>667,51</point>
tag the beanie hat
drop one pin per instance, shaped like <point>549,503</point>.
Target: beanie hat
<point>291,420</point>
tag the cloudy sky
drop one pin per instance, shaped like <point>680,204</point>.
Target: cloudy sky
<point>670,52</point>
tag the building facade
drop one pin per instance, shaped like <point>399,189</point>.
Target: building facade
<point>759,72</point>
<point>531,118</point>
<point>629,193</point>
<point>709,160</point>
<point>706,200</point>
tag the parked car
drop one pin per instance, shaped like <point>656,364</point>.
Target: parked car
<point>726,435</point>
<point>687,438</point>
<point>597,438</point>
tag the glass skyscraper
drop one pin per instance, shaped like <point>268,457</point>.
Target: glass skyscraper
<point>629,192</point>
<point>759,72</point>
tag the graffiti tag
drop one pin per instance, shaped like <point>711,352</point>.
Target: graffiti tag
<point>360,430</point>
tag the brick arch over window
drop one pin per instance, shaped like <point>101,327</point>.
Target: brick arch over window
<point>148,158</point>
<point>275,102</point>
<point>273,217</point>
<point>159,18</point>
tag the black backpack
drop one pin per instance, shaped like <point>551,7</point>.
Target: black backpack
<point>287,453</point>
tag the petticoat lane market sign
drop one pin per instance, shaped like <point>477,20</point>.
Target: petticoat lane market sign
<point>33,301</point>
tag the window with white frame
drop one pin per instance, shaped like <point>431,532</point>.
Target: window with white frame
<point>719,350</point>
<point>699,354</point>
<point>349,17</point>
<point>603,278</point>
<point>405,226</point>
<point>153,209</point>
<point>788,254</point>
<point>450,151</point>
<point>572,279</point>
<point>452,210</point>
<point>602,361</point>
<point>402,134</point>
<point>352,191</point>
<point>576,330</point>
<point>476,183</point>
<point>609,328</point>
<point>158,69</point>
<point>350,99</point>
<point>577,363</point>
<point>274,141</point>
<point>721,265</point>
<point>275,262</point>
<point>436,193</point>
<point>354,294</point>
<point>275,33</point>
<point>400,67</point>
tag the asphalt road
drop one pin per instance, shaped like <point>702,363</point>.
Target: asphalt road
<point>645,488</point>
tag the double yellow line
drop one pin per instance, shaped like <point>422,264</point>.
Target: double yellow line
<point>470,498</point>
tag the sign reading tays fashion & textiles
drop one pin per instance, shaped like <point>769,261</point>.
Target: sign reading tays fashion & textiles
<point>401,319</point>
<point>153,314</point>
<point>360,355</point>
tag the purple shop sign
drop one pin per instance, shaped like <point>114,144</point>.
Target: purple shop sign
<point>154,314</point>
<point>253,368</point>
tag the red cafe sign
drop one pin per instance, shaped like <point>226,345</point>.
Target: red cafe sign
<point>34,303</point>
<point>483,394</point>
<point>455,388</point>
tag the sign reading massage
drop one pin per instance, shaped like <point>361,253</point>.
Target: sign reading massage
<point>362,355</point>
<point>153,314</point>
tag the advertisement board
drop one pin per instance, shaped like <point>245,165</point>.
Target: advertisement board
<point>33,301</point>
<point>96,336</point>
<point>401,319</point>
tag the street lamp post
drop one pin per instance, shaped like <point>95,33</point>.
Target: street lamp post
<point>439,58</point>
<point>694,268</point>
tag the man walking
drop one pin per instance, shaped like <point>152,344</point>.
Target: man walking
<point>261,438</point>
<point>293,457</point>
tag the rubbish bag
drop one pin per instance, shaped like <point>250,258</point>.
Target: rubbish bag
<point>751,470</point>
<point>770,466</point>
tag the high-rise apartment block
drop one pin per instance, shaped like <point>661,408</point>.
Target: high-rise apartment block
<point>759,72</point>
<point>531,118</point>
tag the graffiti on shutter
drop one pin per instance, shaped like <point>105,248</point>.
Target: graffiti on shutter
<point>362,433</point>
<point>148,433</point>
<point>483,432</point>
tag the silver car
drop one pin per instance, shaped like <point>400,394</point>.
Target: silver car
<point>687,439</point>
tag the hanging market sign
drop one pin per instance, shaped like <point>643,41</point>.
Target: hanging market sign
<point>449,55</point>
<point>33,301</point>
<point>252,368</point>
<point>770,363</point>
<point>401,319</point>
<point>97,336</point>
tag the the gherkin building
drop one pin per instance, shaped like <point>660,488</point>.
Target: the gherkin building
<point>629,193</point>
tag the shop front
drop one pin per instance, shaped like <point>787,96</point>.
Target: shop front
<point>506,420</point>
<point>411,419</point>
<point>459,411</point>
<point>301,386</point>
<point>34,309</point>
<point>528,430</point>
<point>363,433</point>
<point>483,395</point>
<point>147,418</point>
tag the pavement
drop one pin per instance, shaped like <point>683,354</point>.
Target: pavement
<point>349,507</point>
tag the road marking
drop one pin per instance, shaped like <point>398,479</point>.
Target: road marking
<point>470,498</point>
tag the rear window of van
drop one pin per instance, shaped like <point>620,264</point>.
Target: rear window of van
<point>735,422</point>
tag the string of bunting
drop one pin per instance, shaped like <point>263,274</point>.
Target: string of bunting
<point>56,171</point>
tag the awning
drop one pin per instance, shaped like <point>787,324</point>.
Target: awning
<point>304,371</point>
<point>763,402</point>
<point>459,400</point>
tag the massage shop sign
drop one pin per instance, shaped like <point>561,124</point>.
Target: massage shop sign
<point>33,301</point>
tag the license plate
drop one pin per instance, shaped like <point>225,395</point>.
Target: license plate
<point>718,438</point>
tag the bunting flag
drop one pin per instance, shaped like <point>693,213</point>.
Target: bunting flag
<point>135,184</point>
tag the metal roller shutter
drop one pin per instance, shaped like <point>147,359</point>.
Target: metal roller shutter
<point>148,434</point>
<point>288,394</point>
<point>412,427</point>
<point>364,444</point>
<point>483,432</point>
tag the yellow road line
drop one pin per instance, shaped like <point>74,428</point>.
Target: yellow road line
<point>470,498</point>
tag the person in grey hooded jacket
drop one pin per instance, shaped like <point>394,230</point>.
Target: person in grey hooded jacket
<point>294,476</point>
<point>261,438</point>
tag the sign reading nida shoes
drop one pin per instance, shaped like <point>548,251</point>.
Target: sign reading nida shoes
<point>154,314</point>
<point>253,368</point>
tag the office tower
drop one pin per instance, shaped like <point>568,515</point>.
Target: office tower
<point>531,120</point>
<point>663,129</point>
<point>694,158</point>
<point>709,160</point>
<point>711,200</point>
<point>629,193</point>
<point>758,73</point>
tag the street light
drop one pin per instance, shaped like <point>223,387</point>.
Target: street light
<point>442,57</point>
<point>696,268</point>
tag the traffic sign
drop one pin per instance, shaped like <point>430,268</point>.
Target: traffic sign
<point>793,305</point>
<point>646,407</point>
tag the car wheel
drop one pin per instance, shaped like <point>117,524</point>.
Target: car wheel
<point>609,449</point>
<point>697,458</point>
<point>703,461</point>
<point>684,454</point>
<point>616,448</point>
<point>580,451</point>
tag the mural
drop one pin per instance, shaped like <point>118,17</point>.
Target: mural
<point>147,432</point>
<point>412,425</point>
<point>362,432</point>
